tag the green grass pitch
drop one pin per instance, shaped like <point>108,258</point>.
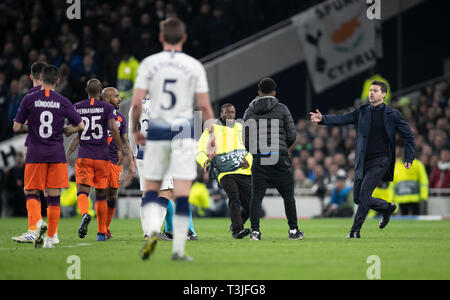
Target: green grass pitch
<point>407,250</point>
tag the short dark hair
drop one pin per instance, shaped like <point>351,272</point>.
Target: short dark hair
<point>383,86</point>
<point>94,87</point>
<point>173,30</point>
<point>36,69</point>
<point>223,107</point>
<point>267,86</point>
<point>50,74</point>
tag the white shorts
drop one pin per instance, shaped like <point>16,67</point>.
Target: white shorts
<point>175,158</point>
<point>166,184</point>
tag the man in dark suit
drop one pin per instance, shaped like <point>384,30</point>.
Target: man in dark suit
<point>268,132</point>
<point>376,126</point>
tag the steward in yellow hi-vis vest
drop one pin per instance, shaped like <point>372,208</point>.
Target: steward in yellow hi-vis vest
<point>224,152</point>
<point>410,186</point>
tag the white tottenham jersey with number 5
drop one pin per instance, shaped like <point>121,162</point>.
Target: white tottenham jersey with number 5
<point>172,79</point>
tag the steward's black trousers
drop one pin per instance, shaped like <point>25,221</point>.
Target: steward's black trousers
<point>239,190</point>
<point>374,171</point>
<point>281,176</point>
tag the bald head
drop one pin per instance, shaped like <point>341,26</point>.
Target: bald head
<point>94,88</point>
<point>111,95</point>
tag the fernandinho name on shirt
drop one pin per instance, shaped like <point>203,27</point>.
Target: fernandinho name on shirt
<point>47,104</point>
<point>93,110</point>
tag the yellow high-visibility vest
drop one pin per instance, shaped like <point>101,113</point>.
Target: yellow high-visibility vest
<point>411,185</point>
<point>227,140</point>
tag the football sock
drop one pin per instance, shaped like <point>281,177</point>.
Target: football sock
<point>191,223</point>
<point>169,218</point>
<point>53,214</point>
<point>180,223</point>
<point>150,210</point>
<point>111,210</point>
<point>83,203</point>
<point>101,209</point>
<point>34,211</point>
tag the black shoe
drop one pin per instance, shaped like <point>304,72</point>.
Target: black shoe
<point>165,236</point>
<point>82,231</point>
<point>191,237</point>
<point>387,215</point>
<point>298,235</point>
<point>353,235</point>
<point>241,234</point>
<point>255,236</point>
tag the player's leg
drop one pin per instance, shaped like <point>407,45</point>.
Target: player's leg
<point>34,179</point>
<point>140,168</point>
<point>57,178</point>
<point>33,203</point>
<point>111,199</point>
<point>182,163</point>
<point>166,194</point>
<point>153,210</point>
<point>102,171</point>
<point>111,195</point>
<point>181,218</point>
<point>101,210</point>
<point>53,216</point>
<point>84,173</point>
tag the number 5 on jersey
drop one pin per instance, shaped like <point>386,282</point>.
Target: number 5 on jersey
<point>172,95</point>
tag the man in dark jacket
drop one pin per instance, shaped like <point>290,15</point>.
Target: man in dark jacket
<point>376,126</point>
<point>269,131</point>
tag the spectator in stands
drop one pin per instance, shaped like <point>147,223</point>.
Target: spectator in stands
<point>88,70</point>
<point>14,187</point>
<point>341,201</point>
<point>199,31</point>
<point>13,100</point>
<point>65,87</point>
<point>300,180</point>
<point>126,73</point>
<point>73,60</point>
<point>440,176</point>
<point>220,29</point>
<point>111,63</point>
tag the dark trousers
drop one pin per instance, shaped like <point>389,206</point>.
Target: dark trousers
<point>280,175</point>
<point>374,171</point>
<point>239,192</point>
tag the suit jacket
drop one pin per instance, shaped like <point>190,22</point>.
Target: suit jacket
<point>362,118</point>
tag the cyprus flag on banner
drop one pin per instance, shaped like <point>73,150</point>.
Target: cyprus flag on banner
<point>338,41</point>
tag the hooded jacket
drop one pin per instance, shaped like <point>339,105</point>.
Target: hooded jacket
<point>268,127</point>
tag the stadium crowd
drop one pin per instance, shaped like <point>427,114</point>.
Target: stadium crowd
<point>111,32</point>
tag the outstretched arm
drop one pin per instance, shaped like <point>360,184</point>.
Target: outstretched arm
<point>345,119</point>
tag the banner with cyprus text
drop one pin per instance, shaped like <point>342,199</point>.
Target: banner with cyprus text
<point>338,40</point>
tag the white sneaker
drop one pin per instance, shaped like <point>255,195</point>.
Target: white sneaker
<point>55,239</point>
<point>48,242</point>
<point>27,237</point>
